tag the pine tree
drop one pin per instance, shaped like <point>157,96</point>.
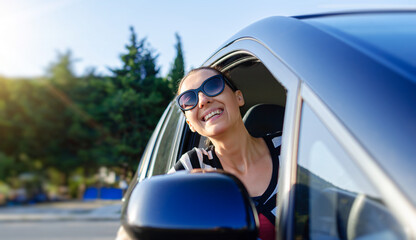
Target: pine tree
<point>136,100</point>
<point>178,68</point>
<point>61,71</point>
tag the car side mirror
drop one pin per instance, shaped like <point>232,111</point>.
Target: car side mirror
<point>190,205</point>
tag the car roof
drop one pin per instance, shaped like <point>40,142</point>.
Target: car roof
<point>372,95</point>
<point>388,36</point>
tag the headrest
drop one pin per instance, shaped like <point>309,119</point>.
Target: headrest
<point>262,119</point>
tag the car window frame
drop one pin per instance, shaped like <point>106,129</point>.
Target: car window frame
<point>342,197</point>
<point>394,199</point>
<point>173,109</point>
<point>143,167</point>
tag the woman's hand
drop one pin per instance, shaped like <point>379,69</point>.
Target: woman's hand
<point>122,234</point>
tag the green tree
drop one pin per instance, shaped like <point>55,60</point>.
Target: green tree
<point>61,71</point>
<point>59,114</point>
<point>137,99</point>
<point>32,126</point>
<point>178,67</point>
<point>62,122</point>
<point>87,130</point>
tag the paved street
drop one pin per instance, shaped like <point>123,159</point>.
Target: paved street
<point>64,230</point>
<point>76,220</point>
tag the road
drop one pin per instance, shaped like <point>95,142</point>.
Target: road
<point>64,230</point>
<point>72,220</point>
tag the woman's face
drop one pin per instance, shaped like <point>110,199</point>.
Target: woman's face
<point>212,116</point>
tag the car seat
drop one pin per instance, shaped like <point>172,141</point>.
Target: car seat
<point>263,118</point>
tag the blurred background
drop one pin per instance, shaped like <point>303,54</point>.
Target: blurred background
<point>83,84</point>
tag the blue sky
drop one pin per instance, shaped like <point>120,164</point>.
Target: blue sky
<point>32,32</point>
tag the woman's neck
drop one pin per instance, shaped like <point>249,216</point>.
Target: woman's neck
<point>237,151</point>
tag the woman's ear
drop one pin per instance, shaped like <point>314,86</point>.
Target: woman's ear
<point>240,98</point>
<point>190,126</point>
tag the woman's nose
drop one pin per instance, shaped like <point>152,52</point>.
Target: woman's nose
<point>203,99</point>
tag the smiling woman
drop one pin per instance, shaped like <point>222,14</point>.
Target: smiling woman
<point>211,105</point>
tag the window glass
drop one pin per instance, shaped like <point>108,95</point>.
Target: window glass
<point>144,162</point>
<point>167,143</point>
<point>333,198</point>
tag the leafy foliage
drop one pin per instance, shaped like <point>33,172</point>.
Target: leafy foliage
<point>62,122</point>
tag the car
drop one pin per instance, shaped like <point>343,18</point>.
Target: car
<point>342,89</point>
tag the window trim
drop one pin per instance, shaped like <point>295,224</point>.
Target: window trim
<point>178,131</point>
<point>157,145</point>
<point>400,206</point>
<point>152,141</point>
<point>178,136</point>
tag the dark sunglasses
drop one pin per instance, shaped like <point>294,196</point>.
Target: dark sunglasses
<point>211,87</point>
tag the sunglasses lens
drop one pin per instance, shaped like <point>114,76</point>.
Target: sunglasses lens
<point>187,100</point>
<point>211,87</point>
<point>214,86</point>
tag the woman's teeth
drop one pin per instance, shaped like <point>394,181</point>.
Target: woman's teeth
<point>211,114</point>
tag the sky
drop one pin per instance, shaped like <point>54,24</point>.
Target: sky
<point>34,32</point>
